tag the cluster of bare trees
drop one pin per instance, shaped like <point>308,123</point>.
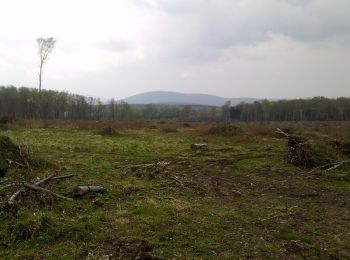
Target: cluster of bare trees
<point>315,109</point>
<point>28,103</point>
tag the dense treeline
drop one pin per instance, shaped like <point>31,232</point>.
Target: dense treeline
<point>28,103</point>
<point>315,109</point>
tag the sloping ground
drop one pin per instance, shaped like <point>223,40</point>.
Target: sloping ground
<point>238,199</point>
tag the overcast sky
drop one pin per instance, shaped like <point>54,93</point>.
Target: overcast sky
<point>231,48</point>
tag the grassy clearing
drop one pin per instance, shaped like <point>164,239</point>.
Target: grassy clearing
<point>238,199</point>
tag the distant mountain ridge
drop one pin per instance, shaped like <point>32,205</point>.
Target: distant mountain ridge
<point>177,98</point>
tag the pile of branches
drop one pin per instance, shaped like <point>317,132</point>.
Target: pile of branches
<point>299,151</point>
<point>24,187</point>
<point>305,154</point>
<point>43,192</point>
<point>17,156</point>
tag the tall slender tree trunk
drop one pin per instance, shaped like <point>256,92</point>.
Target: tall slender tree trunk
<point>40,73</point>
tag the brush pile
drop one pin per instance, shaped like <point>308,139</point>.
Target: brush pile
<point>300,152</point>
<point>39,192</point>
<point>314,153</point>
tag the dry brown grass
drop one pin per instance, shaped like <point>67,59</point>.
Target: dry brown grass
<point>338,130</point>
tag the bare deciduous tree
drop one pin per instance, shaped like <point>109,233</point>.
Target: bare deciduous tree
<point>46,46</point>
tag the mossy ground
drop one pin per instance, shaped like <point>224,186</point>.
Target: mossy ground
<point>185,204</point>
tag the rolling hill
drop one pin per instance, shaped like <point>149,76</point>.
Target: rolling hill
<point>167,97</point>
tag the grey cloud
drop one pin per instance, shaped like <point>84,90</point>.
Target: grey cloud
<point>206,27</point>
<point>243,21</point>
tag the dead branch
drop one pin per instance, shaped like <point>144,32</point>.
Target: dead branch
<point>45,180</point>
<point>63,177</point>
<point>14,196</point>
<point>11,200</point>
<point>37,188</point>
<point>321,167</point>
<point>337,165</point>
<point>279,131</point>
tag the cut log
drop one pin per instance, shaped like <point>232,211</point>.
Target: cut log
<point>82,190</point>
<point>199,146</point>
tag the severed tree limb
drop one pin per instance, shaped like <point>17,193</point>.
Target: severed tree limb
<point>37,188</point>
